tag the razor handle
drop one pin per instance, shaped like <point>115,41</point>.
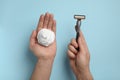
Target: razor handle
<point>77,36</point>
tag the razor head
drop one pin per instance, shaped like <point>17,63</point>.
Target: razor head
<point>79,17</point>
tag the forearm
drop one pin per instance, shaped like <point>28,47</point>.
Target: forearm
<point>84,76</point>
<point>42,70</point>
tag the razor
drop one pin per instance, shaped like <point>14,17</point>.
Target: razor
<point>78,25</point>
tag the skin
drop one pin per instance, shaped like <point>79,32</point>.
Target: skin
<point>79,60</point>
<point>45,55</point>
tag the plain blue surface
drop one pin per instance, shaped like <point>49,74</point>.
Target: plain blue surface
<point>101,29</point>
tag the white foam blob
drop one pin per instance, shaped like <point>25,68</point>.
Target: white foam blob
<point>45,37</point>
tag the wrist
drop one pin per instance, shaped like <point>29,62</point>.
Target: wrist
<point>45,61</point>
<point>84,75</point>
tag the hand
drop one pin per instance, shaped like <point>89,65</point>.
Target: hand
<point>44,54</point>
<point>79,60</point>
<point>46,21</point>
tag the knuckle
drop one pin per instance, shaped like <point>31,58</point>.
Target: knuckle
<point>69,46</point>
<point>68,52</point>
<point>72,40</point>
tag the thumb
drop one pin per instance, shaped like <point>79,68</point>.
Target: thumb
<point>80,43</point>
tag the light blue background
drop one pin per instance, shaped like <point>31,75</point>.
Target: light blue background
<point>101,29</point>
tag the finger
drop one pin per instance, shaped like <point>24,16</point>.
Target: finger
<point>72,49</point>
<point>40,23</point>
<point>46,19</point>
<point>81,44</point>
<point>33,38</point>
<point>54,26</point>
<point>70,54</point>
<point>74,43</point>
<point>83,40</point>
<point>50,22</point>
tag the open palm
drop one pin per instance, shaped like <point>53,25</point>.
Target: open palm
<point>46,21</point>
